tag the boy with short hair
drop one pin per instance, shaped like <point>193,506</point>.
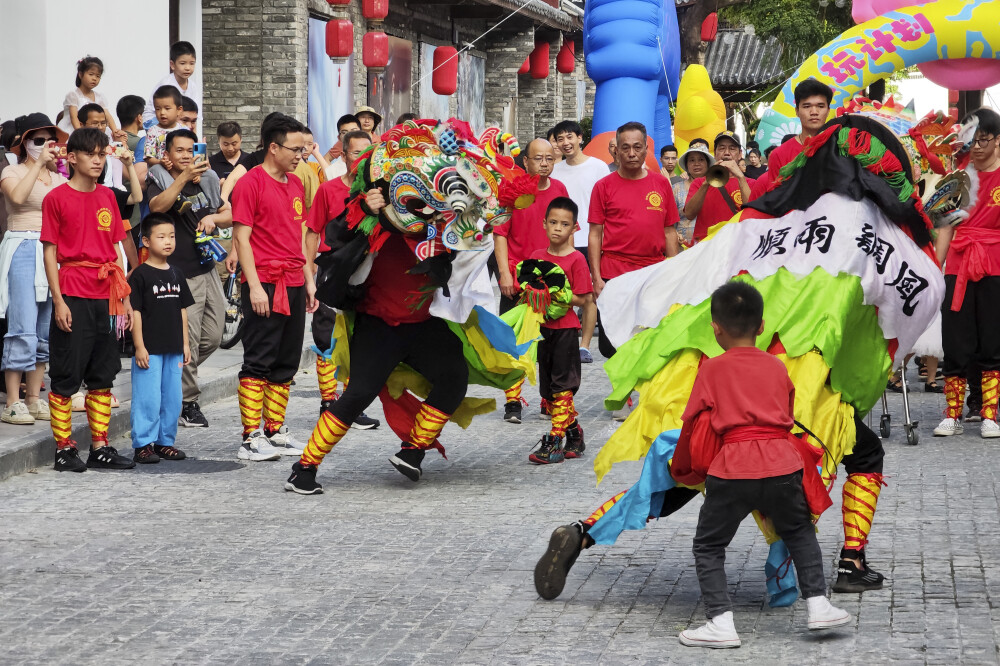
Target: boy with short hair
<point>160,296</point>
<point>81,229</point>
<point>558,358</point>
<point>183,61</point>
<point>168,105</point>
<point>749,400</point>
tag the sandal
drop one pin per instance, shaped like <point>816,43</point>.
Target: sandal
<point>933,387</point>
<point>895,385</point>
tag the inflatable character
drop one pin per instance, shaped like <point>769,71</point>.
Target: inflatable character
<point>701,113</point>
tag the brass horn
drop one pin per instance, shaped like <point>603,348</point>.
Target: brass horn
<point>717,175</point>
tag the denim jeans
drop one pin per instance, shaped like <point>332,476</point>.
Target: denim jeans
<point>26,343</point>
<point>156,400</point>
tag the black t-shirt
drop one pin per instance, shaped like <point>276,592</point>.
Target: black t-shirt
<point>256,158</point>
<point>755,172</point>
<point>186,257</point>
<point>221,166</point>
<point>158,294</point>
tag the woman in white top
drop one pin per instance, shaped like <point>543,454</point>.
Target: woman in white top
<point>24,294</point>
<point>89,71</point>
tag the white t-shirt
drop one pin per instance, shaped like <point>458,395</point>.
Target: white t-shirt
<point>76,98</point>
<point>579,181</point>
<point>193,91</point>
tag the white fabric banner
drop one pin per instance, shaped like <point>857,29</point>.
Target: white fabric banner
<point>836,234</point>
<point>469,286</point>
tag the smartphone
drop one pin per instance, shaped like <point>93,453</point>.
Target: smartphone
<point>200,152</point>
<point>60,150</point>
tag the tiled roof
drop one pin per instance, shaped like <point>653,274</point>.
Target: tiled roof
<point>737,60</point>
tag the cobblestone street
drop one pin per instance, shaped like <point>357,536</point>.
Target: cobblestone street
<point>210,561</point>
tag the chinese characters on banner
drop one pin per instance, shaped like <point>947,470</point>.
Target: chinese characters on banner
<point>846,64</point>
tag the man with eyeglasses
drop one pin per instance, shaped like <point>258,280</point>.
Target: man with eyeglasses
<point>268,214</point>
<point>523,235</point>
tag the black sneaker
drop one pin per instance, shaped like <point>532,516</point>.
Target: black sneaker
<point>973,416</point>
<point>850,578</point>
<point>365,422</point>
<point>303,480</point>
<point>574,441</point>
<point>107,457</point>
<point>550,451</point>
<point>565,545</point>
<point>68,460</point>
<point>191,416</point>
<point>512,411</point>
<point>145,455</point>
<point>169,452</point>
<point>407,462</point>
<point>326,406</point>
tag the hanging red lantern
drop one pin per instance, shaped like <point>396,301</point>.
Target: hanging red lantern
<point>339,39</point>
<point>525,66</point>
<point>375,50</point>
<point>338,2</point>
<point>566,58</point>
<point>445,78</point>
<point>539,61</point>
<point>710,27</point>
<point>375,10</point>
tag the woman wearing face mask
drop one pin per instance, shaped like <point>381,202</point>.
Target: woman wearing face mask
<point>24,293</point>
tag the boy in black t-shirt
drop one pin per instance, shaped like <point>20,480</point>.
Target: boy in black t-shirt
<point>159,297</point>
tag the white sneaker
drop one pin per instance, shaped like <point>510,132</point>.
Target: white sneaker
<point>40,410</point>
<point>17,414</point>
<point>719,632</point>
<point>284,443</point>
<point>949,427</point>
<point>257,447</point>
<point>824,615</point>
<point>989,429</point>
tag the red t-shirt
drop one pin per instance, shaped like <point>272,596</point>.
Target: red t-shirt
<point>715,209</point>
<point>329,202</point>
<point>576,270</point>
<point>985,215</point>
<point>275,211</point>
<point>634,214</point>
<point>525,232</point>
<point>84,226</point>
<point>747,387</point>
<point>760,186</point>
<point>391,293</point>
<point>782,155</point>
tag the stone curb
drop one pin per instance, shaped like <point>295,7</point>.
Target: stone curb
<point>39,450</point>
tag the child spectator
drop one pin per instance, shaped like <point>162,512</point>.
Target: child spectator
<point>309,172</point>
<point>189,114</point>
<point>81,229</point>
<point>167,102</point>
<point>230,154</point>
<point>558,358</point>
<point>160,298</point>
<point>182,76</point>
<point>748,398</point>
<point>89,71</point>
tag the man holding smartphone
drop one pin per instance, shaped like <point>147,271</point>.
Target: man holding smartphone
<point>189,193</point>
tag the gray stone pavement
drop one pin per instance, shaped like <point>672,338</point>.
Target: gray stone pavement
<point>210,561</point>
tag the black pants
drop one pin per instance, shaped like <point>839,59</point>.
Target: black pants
<point>429,347</point>
<point>558,361</point>
<point>89,353</point>
<point>971,335</point>
<point>974,385</point>
<point>323,321</point>
<point>727,503</point>
<point>272,346</point>
<point>868,451</point>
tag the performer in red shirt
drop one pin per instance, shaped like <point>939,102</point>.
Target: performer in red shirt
<point>750,400</point>
<point>330,201</point>
<point>709,204</point>
<point>81,229</point>
<point>558,356</point>
<point>632,218</point>
<point>812,106</point>
<point>268,215</point>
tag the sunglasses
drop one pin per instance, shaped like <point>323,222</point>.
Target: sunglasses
<point>41,140</point>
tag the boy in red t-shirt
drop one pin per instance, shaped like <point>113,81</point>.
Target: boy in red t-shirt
<point>558,355</point>
<point>750,401</point>
<point>81,229</point>
<point>268,214</point>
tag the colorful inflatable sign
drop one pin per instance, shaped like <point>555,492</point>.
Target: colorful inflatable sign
<point>898,39</point>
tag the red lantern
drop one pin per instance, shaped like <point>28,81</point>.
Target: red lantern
<point>338,2</point>
<point>710,27</point>
<point>566,58</point>
<point>525,66</point>
<point>375,50</point>
<point>539,61</point>
<point>339,39</point>
<point>375,10</point>
<point>445,78</point>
